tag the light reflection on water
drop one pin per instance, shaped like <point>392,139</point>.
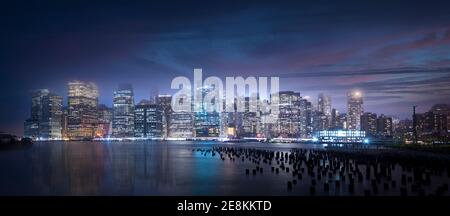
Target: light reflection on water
<point>130,168</point>
<point>148,168</point>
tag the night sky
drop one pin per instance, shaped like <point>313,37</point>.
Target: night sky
<point>396,52</point>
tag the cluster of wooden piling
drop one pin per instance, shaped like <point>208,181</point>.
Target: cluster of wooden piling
<point>373,173</point>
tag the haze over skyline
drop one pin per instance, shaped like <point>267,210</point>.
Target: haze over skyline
<point>396,52</point>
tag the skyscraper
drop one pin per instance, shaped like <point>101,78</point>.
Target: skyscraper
<point>384,126</point>
<point>46,116</point>
<point>165,101</point>
<point>251,120</point>
<point>181,125</point>
<point>369,123</point>
<point>289,116</point>
<point>31,125</point>
<point>355,109</point>
<point>306,119</point>
<point>123,112</point>
<point>82,110</point>
<point>104,126</point>
<point>324,107</point>
<point>51,125</point>
<point>148,122</point>
<point>334,119</point>
<point>206,124</point>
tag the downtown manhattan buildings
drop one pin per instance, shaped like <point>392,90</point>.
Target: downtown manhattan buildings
<point>298,119</point>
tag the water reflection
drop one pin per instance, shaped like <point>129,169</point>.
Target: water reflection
<point>129,168</point>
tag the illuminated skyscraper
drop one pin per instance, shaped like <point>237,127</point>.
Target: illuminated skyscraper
<point>104,126</point>
<point>289,116</point>
<point>251,120</point>
<point>82,110</point>
<point>181,125</point>
<point>165,101</point>
<point>384,126</point>
<point>369,123</point>
<point>32,125</point>
<point>123,112</point>
<point>355,109</point>
<point>51,124</point>
<point>148,122</point>
<point>46,116</point>
<point>306,119</point>
<point>206,124</point>
<point>324,107</point>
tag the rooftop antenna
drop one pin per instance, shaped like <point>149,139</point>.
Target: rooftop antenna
<point>414,125</point>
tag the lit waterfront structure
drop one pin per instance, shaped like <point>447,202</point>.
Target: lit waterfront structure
<point>306,119</point>
<point>289,114</point>
<point>50,126</point>
<point>64,123</point>
<point>340,136</point>
<point>82,110</point>
<point>148,120</point>
<point>250,120</point>
<point>123,112</point>
<point>369,123</point>
<point>324,108</point>
<point>181,125</point>
<point>355,109</point>
<point>165,101</point>
<point>206,124</point>
<point>104,126</point>
<point>46,116</point>
<point>31,125</point>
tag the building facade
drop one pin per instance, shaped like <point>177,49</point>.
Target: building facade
<point>46,116</point>
<point>369,124</point>
<point>123,112</point>
<point>355,108</point>
<point>148,121</point>
<point>82,110</point>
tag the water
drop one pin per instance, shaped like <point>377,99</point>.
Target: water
<point>128,168</point>
<point>141,168</point>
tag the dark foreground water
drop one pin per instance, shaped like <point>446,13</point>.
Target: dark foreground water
<point>154,168</point>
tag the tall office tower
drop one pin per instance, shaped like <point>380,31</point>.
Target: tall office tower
<point>334,119</point>
<point>181,125</point>
<point>355,109</point>
<point>148,120</point>
<point>123,112</point>
<point>251,120</point>
<point>64,122</point>
<point>320,121</point>
<point>306,119</point>
<point>165,101</point>
<point>82,110</point>
<point>31,125</point>
<point>289,116</point>
<point>369,123</point>
<point>104,126</point>
<point>51,125</point>
<point>324,107</point>
<point>342,121</point>
<point>206,124</point>
<point>384,126</point>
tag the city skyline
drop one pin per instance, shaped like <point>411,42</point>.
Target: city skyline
<point>395,52</point>
<point>295,119</point>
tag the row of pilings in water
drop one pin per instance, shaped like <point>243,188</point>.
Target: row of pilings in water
<point>364,172</point>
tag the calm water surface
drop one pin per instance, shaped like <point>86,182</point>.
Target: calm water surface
<point>132,168</point>
<point>148,168</point>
